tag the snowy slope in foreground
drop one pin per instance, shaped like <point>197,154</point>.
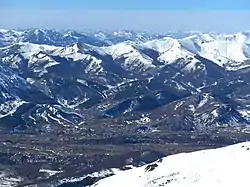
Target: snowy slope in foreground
<point>227,166</point>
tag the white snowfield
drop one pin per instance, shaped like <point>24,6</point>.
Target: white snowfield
<point>221,167</point>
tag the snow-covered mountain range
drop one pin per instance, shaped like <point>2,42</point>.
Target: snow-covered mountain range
<point>227,50</point>
<point>219,167</point>
<point>109,74</point>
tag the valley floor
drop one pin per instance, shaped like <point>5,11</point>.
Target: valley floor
<point>55,159</point>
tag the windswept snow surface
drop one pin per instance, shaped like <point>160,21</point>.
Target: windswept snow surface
<point>221,167</point>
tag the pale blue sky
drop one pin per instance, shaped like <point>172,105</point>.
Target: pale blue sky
<point>130,4</point>
<point>156,15</point>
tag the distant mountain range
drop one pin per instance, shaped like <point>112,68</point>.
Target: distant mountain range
<point>64,81</point>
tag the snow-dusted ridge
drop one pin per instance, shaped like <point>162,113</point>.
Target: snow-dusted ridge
<point>227,166</point>
<point>169,49</point>
<point>132,56</point>
<point>230,51</point>
<point>41,54</point>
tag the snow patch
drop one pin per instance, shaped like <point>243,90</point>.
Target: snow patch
<point>143,120</point>
<point>50,172</point>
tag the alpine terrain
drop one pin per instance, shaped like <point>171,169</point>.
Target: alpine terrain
<point>79,106</point>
